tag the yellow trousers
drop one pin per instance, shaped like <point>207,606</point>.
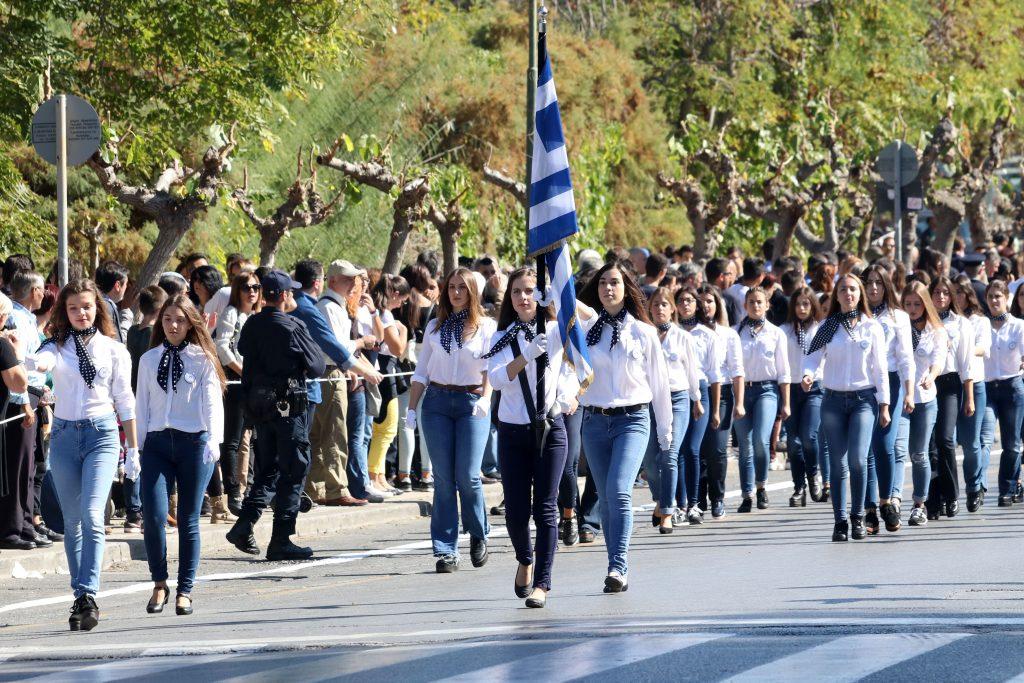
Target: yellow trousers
<point>383,434</point>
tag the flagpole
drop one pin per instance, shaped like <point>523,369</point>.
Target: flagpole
<point>531,94</point>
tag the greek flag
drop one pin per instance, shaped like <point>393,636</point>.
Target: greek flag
<point>553,213</point>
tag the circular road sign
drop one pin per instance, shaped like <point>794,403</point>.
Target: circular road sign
<point>84,133</point>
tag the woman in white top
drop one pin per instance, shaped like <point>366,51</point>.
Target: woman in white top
<point>390,293</point>
<point>930,343</point>
<point>452,373</point>
<point>849,347</point>
<point>707,366</point>
<point>969,428</point>
<point>630,375</point>
<point>92,376</point>
<point>954,389</point>
<point>886,457</point>
<point>181,421</point>
<point>804,421</point>
<point>244,300</point>
<point>1004,389</point>
<point>532,445</point>
<point>677,347</point>
<point>766,395</point>
<point>714,450</point>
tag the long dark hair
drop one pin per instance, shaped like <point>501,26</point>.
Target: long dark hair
<point>633,299</point>
<point>60,327</point>
<point>197,334</point>
<point>963,284</point>
<point>507,314</point>
<point>943,281</point>
<point>388,286</point>
<point>888,291</point>
<point>692,291</point>
<point>240,282</point>
<point>805,291</point>
<point>720,312</point>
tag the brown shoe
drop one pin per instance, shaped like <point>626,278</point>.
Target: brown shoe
<point>347,501</point>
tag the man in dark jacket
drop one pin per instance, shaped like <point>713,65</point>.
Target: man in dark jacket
<point>280,355</point>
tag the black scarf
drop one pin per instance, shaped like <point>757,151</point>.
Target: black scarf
<point>171,364</point>
<point>999,318</point>
<point>751,323</point>
<point>878,310</point>
<point>594,335</point>
<point>85,364</point>
<point>915,334</point>
<point>664,327</point>
<point>688,322</point>
<point>510,333</point>
<point>801,335</point>
<point>829,328</point>
<point>451,329</point>
<point>946,313</point>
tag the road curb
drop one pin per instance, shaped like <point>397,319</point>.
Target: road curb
<point>122,547</point>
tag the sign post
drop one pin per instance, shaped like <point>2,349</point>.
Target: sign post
<point>897,164</point>
<point>65,132</point>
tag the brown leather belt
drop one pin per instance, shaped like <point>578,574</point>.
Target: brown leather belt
<point>461,388</point>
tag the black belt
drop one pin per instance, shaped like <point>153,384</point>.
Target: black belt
<point>759,384</point>
<point>458,388</point>
<point>621,410</point>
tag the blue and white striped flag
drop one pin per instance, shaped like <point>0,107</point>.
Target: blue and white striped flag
<point>553,213</point>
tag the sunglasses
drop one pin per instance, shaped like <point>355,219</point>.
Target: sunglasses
<point>253,288</point>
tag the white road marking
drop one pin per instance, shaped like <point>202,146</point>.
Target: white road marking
<point>586,659</point>
<point>849,658</point>
<point>125,669</point>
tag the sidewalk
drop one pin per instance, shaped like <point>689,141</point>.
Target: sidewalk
<point>122,547</point>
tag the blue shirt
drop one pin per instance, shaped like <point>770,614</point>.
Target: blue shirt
<point>323,335</point>
<point>28,333</point>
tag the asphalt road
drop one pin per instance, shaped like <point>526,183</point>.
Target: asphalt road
<point>758,597</point>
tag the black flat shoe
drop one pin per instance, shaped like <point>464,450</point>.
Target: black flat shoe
<point>799,498</point>
<point>537,602</point>
<point>825,493</point>
<point>840,531</point>
<point>586,536</point>
<point>284,551</point>
<point>655,520</point>
<point>569,533</point>
<point>158,607</point>
<point>814,487</point>
<point>746,506</point>
<point>665,529</point>
<point>90,613</point>
<point>891,517</point>
<point>524,590</point>
<point>478,551</point>
<point>857,530</point>
<point>448,564</point>
<point>17,544</point>
<point>974,501</point>
<point>933,514</point>
<point>244,542</point>
<point>871,522</point>
<point>952,507</point>
<point>183,610</point>
<point>762,499</point>
<point>1004,502</point>
<point>615,583</point>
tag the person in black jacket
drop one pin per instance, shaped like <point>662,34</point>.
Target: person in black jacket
<point>280,355</point>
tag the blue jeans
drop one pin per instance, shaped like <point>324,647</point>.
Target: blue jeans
<point>922,422</point>
<point>689,453</point>
<point>754,433</point>
<point>83,460</point>
<point>802,427</point>
<point>848,418</point>
<point>714,452</point>
<point>882,461</point>
<point>968,431</point>
<point>132,499</point>
<point>615,447</point>
<point>173,456</point>
<point>568,487</point>
<point>358,470</point>
<point>489,464</point>
<point>1006,400</point>
<point>456,441</point>
<point>662,467</point>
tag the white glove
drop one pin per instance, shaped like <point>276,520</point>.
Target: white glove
<point>410,419</point>
<point>536,348</point>
<point>211,453</point>
<point>544,298</point>
<point>132,464</point>
<point>482,407</point>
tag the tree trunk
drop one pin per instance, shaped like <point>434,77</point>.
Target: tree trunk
<point>396,249</point>
<point>270,240</point>
<point>784,237</point>
<point>168,238</point>
<point>703,248</point>
<point>909,239</point>
<point>449,249</point>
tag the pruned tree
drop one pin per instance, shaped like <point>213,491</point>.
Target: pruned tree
<point>303,207</point>
<point>707,214</point>
<point>448,221</point>
<point>410,194</point>
<point>175,201</point>
<point>502,180</point>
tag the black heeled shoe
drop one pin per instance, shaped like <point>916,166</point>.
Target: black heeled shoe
<point>186,610</point>
<point>157,608</point>
<point>799,498</point>
<point>524,590</point>
<point>665,529</point>
<point>655,519</point>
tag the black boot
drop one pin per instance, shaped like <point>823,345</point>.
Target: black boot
<point>799,498</point>
<point>871,522</point>
<point>241,537</point>
<point>814,487</point>
<point>281,546</point>
<point>891,517</point>
<point>839,532</point>
<point>825,492</point>
<point>85,614</point>
<point>569,533</point>
<point>746,506</point>
<point>857,530</point>
<point>478,551</point>
<point>762,499</point>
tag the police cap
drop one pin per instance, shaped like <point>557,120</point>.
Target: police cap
<point>277,281</point>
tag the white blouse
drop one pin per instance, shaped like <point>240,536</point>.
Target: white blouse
<point>765,354</point>
<point>196,405</point>
<point>464,366</point>
<point>682,365</point>
<point>982,327</point>
<point>633,372</point>
<point>729,353</point>
<point>229,326</point>
<point>853,361</point>
<point>900,348</point>
<point>111,390</point>
<point>960,334</point>
<point>796,353</point>
<point>930,351</point>
<point>1004,360</point>
<point>560,383</point>
<point>705,353</point>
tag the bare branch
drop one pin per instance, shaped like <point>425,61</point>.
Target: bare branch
<point>501,180</point>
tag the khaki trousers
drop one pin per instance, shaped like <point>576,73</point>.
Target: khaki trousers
<point>328,440</point>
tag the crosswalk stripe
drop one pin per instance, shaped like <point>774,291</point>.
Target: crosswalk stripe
<point>587,659</point>
<point>122,669</point>
<point>849,658</point>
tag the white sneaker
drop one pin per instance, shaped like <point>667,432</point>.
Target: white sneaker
<point>373,489</point>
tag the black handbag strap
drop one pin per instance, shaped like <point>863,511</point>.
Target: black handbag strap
<point>524,385</point>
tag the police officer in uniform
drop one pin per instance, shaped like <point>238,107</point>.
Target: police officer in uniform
<point>280,355</point>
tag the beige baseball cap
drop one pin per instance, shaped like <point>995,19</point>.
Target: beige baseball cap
<point>342,267</point>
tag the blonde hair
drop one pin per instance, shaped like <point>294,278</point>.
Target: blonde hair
<point>6,307</point>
